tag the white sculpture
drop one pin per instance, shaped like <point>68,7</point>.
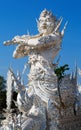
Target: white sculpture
<point>42,81</point>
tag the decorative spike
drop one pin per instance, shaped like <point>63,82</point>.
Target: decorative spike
<point>79,71</point>
<point>57,62</point>
<point>25,67</point>
<point>37,21</point>
<point>60,18</point>
<point>72,75</point>
<point>28,33</point>
<point>62,32</point>
<point>22,82</point>
<point>58,25</point>
<point>10,68</point>
<point>18,75</point>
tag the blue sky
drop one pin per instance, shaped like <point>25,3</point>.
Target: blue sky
<point>17,17</point>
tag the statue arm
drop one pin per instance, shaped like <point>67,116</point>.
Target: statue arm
<point>21,39</point>
<point>49,38</point>
<point>18,40</point>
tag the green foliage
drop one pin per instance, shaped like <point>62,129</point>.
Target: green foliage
<point>61,71</point>
<point>2,83</point>
<point>2,100</point>
<point>2,93</point>
<point>14,97</point>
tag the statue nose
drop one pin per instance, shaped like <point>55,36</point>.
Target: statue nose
<point>44,23</point>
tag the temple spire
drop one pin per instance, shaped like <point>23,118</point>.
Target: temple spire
<point>76,71</point>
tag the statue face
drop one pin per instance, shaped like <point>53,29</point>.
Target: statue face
<point>46,22</point>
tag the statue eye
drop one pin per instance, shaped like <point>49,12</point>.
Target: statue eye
<point>41,20</point>
<point>48,19</point>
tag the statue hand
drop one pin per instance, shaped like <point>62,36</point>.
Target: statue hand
<point>8,42</point>
<point>13,41</point>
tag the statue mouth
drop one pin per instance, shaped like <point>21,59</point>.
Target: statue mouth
<point>43,26</point>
